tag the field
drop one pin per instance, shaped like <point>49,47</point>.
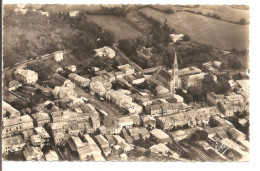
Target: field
<point>226,13</point>
<point>205,30</point>
<point>115,24</point>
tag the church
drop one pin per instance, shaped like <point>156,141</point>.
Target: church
<point>171,81</point>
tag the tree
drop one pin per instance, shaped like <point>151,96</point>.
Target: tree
<point>157,59</point>
<point>107,39</point>
<point>199,135</point>
<point>188,98</point>
<point>38,91</point>
<point>186,38</point>
<point>242,21</point>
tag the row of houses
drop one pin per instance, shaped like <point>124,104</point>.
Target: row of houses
<point>166,108</point>
<point>191,118</point>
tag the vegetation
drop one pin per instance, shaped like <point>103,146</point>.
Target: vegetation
<point>227,36</point>
<point>32,34</point>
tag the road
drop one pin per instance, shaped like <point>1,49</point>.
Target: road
<point>23,64</point>
<point>98,104</point>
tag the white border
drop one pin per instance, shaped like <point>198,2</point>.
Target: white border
<point>254,92</point>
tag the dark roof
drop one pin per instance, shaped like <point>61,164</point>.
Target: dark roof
<point>57,80</point>
<point>165,74</point>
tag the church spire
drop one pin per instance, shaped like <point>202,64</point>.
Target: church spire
<point>175,63</point>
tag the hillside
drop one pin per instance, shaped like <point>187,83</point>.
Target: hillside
<point>205,30</point>
<point>115,24</point>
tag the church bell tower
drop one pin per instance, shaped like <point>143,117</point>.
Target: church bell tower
<point>175,77</point>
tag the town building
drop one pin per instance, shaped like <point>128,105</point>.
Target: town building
<point>167,80</point>
<point>16,125</point>
<point>79,80</point>
<point>41,118</point>
<point>127,69</point>
<point>193,80</point>
<point>12,144</point>
<point>13,85</point>
<point>84,150</point>
<point>189,71</point>
<point>8,111</point>
<point>149,121</point>
<point>57,69</point>
<point>72,68</point>
<point>33,153</point>
<point>26,76</point>
<point>159,136</point>
<point>176,37</point>
<point>51,156</point>
<point>106,52</point>
<point>58,56</point>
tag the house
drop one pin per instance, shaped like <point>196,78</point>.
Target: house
<point>51,156</point>
<point>243,84</point>
<point>112,76</point>
<point>58,80</point>
<point>59,127</point>
<point>103,144</point>
<point>236,135</point>
<point>149,121</point>
<point>192,80</point>
<point>188,71</point>
<point>118,139</point>
<point>137,78</point>
<point>58,56</point>
<point>111,140</point>
<point>94,147</point>
<point>98,88</point>
<point>125,146</point>
<point>44,135</point>
<point>84,150</point>
<point>181,134</point>
<point>61,92</point>
<point>136,119</point>
<point>144,101</point>
<point>123,157</point>
<point>160,149</point>
<point>9,111</point>
<point>125,122</point>
<point>57,68</point>
<point>13,85</point>
<point>112,125</point>
<point>36,140</point>
<point>73,13</point>
<point>154,110</point>
<point>33,153</point>
<point>16,125</point>
<point>119,75</point>
<point>214,99</point>
<point>105,52</point>
<point>235,98</point>
<point>26,76</point>
<point>79,80</point>
<point>161,90</point>
<point>28,133</point>
<point>127,69</point>
<point>72,68</point>
<point>144,133</point>
<point>59,138</point>
<point>159,136</point>
<point>131,107</point>
<point>217,64</point>
<point>176,37</point>
<point>117,97</point>
<point>41,118</point>
<point>12,144</point>
<point>134,133</point>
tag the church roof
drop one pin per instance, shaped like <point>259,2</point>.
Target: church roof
<point>165,74</point>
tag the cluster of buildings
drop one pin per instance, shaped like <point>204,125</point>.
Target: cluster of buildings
<point>152,122</point>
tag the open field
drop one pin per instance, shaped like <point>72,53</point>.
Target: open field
<point>205,30</point>
<point>226,13</point>
<point>115,24</point>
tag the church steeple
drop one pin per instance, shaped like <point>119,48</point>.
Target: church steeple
<point>175,75</point>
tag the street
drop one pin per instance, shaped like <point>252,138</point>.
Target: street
<point>97,103</point>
